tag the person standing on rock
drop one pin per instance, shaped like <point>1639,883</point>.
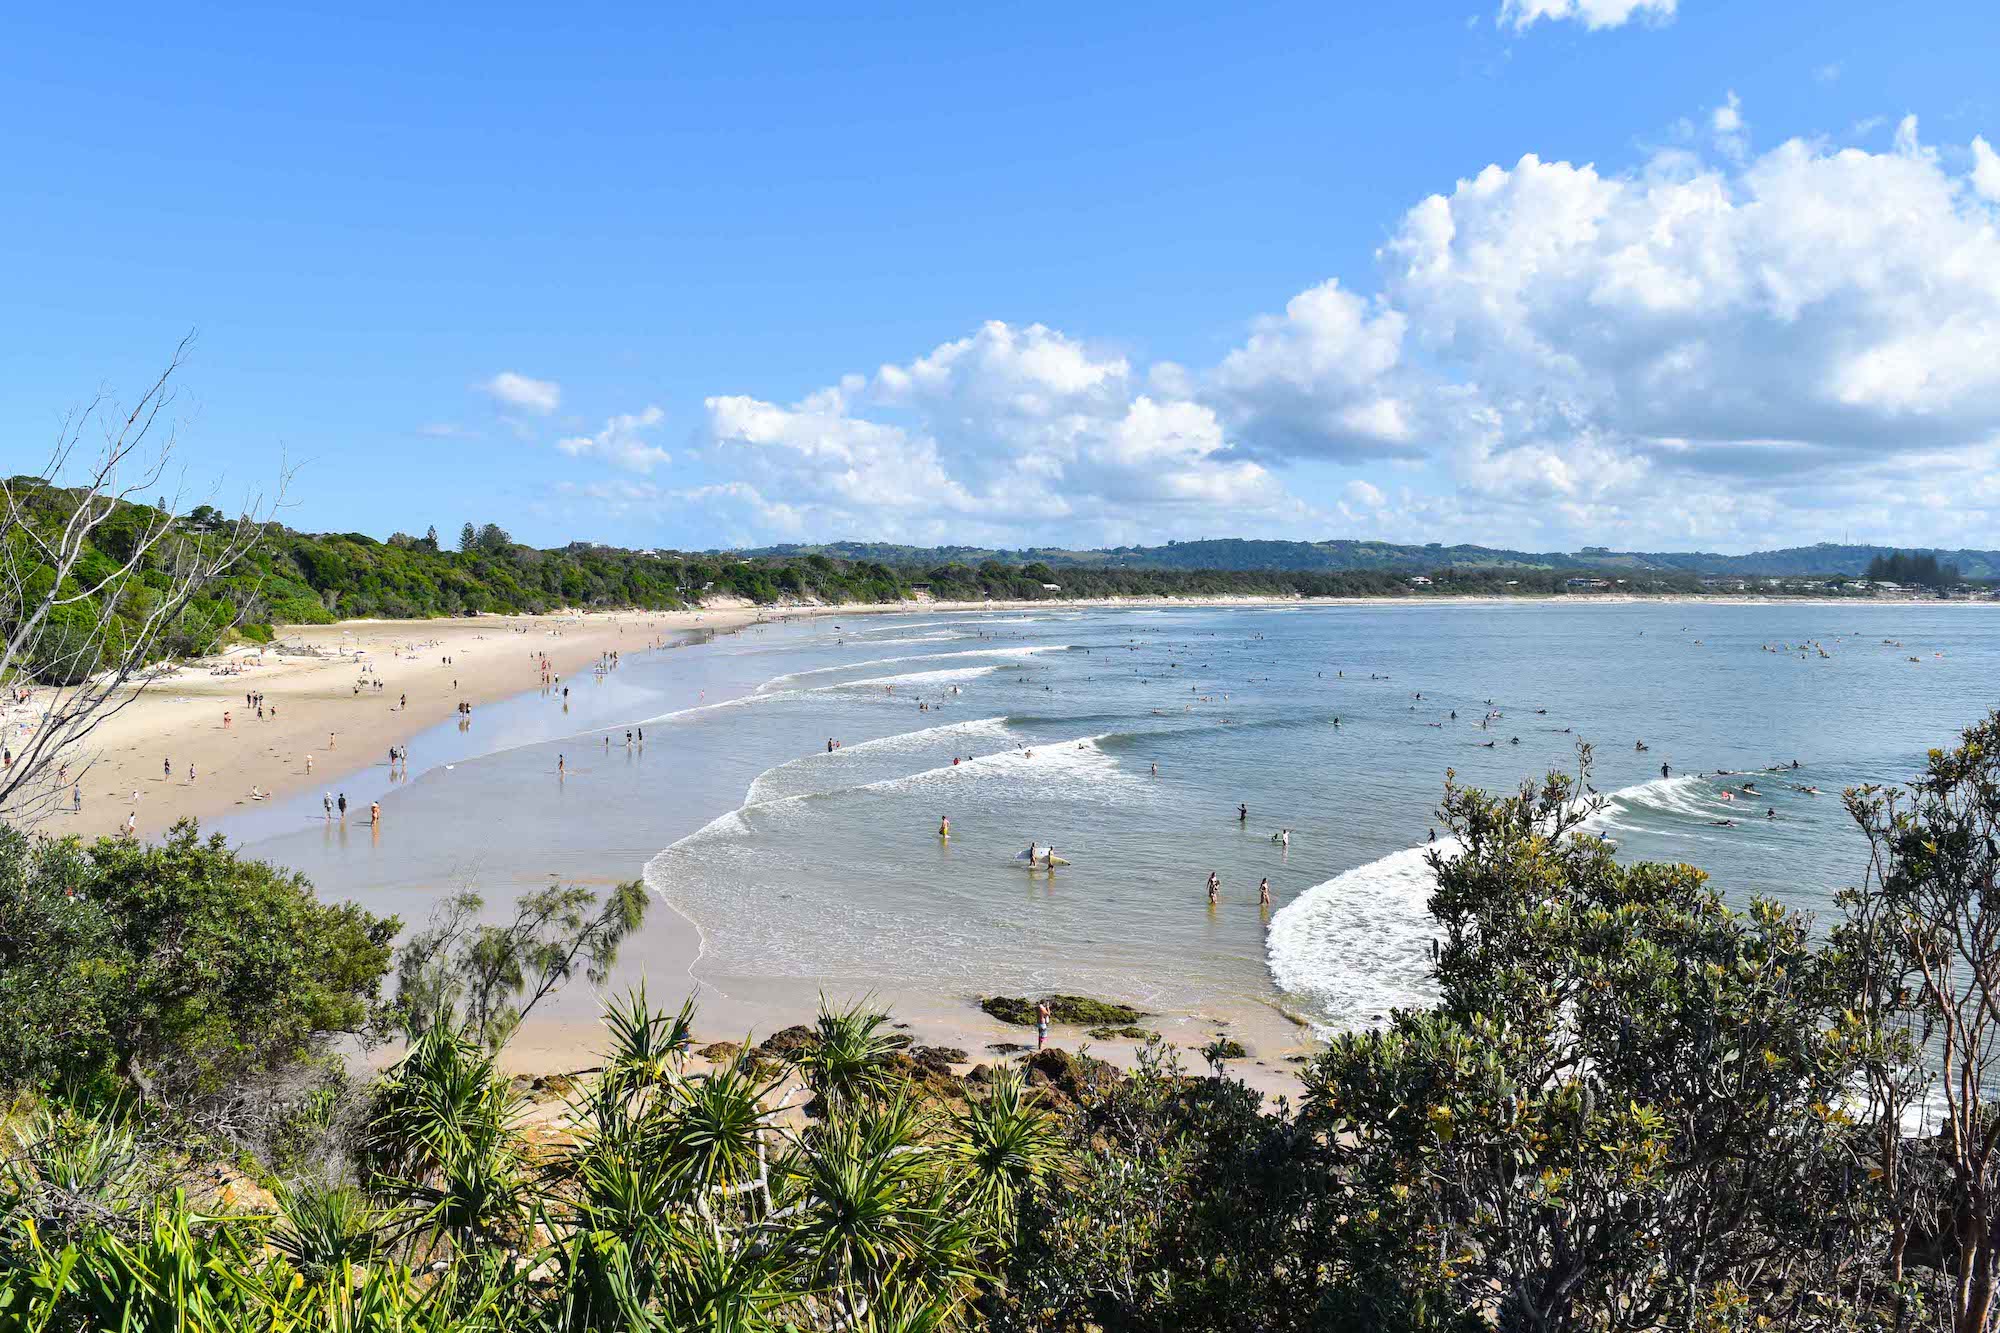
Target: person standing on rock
<point>1041,1024</point>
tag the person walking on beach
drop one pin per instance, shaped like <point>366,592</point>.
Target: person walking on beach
<point>326,804</point>
<point>76,799</point>
<point>561,766</point>
<point>167,770</point>
<point>374,812</point>
<point>190,775</point>
<point>1041,1024</point>
<point>342,804</point>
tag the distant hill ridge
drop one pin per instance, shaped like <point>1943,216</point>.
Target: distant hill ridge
<point>1235,553</point>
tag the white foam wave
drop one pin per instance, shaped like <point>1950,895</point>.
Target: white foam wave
<point>1078,769</point>
<point>1049,764</point>
<point>1358,945</point>
<point>781,681</point>
<point>917,679</point>
<point>897,627</point>
<point>914,638</point>
<point>1687,796</point>
<point>769,785</point>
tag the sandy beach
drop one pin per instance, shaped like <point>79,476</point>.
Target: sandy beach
<point>325,716</point>
<point>169,754</point>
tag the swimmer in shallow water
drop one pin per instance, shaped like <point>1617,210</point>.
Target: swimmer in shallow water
<point>1214,887</point>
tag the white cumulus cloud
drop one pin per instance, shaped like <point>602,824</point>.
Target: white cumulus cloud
<point>1711,348</point>
<point>1592,14</point>
<point>622,442</point>
<point>524,394</point>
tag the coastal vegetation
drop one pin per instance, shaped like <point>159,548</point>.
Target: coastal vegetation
<point>1636,1104</point>
<point>1919,568</point>
<point>136,581</point>
<point>1824,560</point>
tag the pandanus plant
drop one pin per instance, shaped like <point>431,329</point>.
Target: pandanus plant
<point>444,1144</point>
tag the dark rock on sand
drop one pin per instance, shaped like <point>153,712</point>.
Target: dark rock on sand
<point>1064,1072</point>
<point>787,1043</point>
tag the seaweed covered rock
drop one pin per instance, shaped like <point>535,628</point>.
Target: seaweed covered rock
<point>1069,1010</point>
<point>1129,1031</point>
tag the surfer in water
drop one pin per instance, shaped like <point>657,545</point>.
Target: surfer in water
<point>1029,855</point>
<point>1666,772</point>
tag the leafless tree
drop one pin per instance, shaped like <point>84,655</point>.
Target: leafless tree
<point>78,630</point>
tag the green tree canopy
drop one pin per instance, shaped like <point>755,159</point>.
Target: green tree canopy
<point>177,966</point>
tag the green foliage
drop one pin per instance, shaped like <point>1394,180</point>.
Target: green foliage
<point>177,966</point>
<point>676,1200</point>
<point>495,974</point>
<point>1635,1106</point>
<point>1920,568</point>
<point>1624,1077</point>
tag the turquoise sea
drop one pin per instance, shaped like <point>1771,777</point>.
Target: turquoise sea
<point>1127,739</point>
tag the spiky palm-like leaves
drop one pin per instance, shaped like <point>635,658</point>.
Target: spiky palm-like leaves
<point>648,1046</point>
<point>867,1210</point>
<point>324,1228</point>
<point>444,1139</point>
<point>847,1059</point>
<point>682,1203</point>
<point>1002,1147</point>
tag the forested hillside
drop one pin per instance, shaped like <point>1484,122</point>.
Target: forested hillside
<point>290,577</point>
<point>1825,560</point>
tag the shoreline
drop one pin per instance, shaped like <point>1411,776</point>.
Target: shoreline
<point>309,674</point>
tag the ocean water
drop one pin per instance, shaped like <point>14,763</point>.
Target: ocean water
<point>1128,740</point>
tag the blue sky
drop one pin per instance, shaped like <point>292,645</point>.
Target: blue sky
<point>1559,272</point>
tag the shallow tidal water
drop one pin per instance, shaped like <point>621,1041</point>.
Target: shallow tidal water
<point>792,868</point>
